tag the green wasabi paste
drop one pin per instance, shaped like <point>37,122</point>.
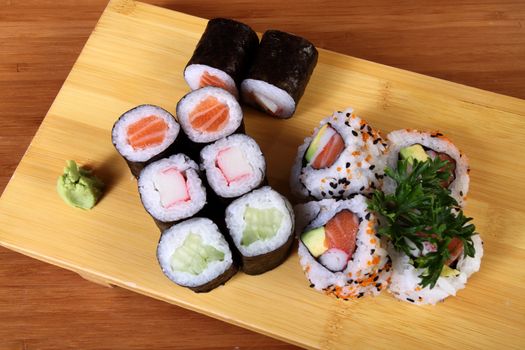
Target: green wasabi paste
<point>78,187</point>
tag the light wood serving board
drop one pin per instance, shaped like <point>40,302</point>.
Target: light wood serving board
<point>136,55</point>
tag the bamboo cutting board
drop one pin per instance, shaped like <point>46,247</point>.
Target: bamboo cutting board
<point>136,55</point>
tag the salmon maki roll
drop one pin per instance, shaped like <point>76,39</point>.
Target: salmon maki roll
<point>144,134</point>
<point>171,190</point>
<point>222,56</point>
<point>344,156</point>
<point>339,250</point>
<point>279,75</point>
<point>207,115</point>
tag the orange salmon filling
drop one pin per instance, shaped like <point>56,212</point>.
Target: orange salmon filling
<point>341,231</point>
<point>331,151</point>
<point>147,132</point>
<point>210,115</point>
<point>211,80</point>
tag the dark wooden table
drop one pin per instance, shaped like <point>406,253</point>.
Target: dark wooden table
<point>481,44</point>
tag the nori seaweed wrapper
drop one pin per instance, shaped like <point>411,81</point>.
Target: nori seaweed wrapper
<point>286,61</point>
<point>256,265</point>
<point>226,45</point>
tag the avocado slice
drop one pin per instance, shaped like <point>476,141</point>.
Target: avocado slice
<point>261,224</point>
<point>447,271</point>
<point>193,256</point>
<point>416,152</point>
<point>314,240</point>
<point>314,145</point>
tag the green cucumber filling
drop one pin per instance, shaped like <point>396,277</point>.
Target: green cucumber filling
<point>193,256</point>
<point>261,224</point>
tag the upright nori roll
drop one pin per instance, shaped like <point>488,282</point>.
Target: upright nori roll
<point>222,55</point>
<point>145,134</point>
<point>279,75</point>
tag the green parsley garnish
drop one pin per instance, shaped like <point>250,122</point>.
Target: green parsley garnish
<point>421,210</point>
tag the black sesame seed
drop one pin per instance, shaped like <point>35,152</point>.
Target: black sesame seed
<point>376,141</point>
<point>461,193</point>
<point>372,251</point>
<point>347,114</point>
<point>347,123</point>
<point>341,192</point>
<point>339,112</point>
<point>362,188</point>
<point>348,164</point>
<point>363,126</point>
<point>311,285</point>
<point>341,180</point>
<point>371,167</point>
<point>378,285</point>
<point>411,300</point>
<point>360,295</point>
<point>323,193</point>
<point>369,128</point>
<point>330,193</point>
<point>354,133</point>
<point>367,216</point>
<point>439,134</point>
<point>360,220</point>
<point>376,176</point>
<point>373,185</point>
<point>433,135</point>
<point>376,278</point>
<point>333,184</point>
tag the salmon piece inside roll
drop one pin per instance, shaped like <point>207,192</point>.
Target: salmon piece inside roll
<point>209,115</point>
<point>327,145</point>
<point>147,132</point>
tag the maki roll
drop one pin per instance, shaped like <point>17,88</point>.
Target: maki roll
<point>222,55</point>
<point>279,75</point>
<point>144,134</point>
<point>406,280</point>
<point>339,249</point>
<point>345,156</point>
<point>194,254</point>
<point>421,146</point>
<point>234,165</point>
<point>261,225</point>
<point>171,190</point>
<point>207,115</point>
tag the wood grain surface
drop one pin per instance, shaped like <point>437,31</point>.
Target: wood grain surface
<point>43,307</point>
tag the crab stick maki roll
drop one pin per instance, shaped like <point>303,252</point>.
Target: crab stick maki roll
<point>279,75</point>
<point>261,225</point>
<point>339,250</point>
<point>207,115</point>
<point>171,190</point>
<point>422,146</point>
<point>406,280</point>
<point>194,254</point>
<point>222,55</point>
<point>234,165</point>
<point>144,134</point>
<point>343,157</point>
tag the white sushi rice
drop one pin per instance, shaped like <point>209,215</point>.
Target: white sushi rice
<point>269,97</point>
<point>120,136</point>
<point>359,168</point>
<point>193,74</point>
<point>405,281</point>
<point>263,198</point>
<point>400,139</point>
<point>189,102</point>
<point>216,179</point>
<point>362,276</point>
<point>174,237</point>
<point>150,195</point>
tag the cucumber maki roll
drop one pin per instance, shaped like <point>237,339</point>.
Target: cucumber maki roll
<point>194,254</point>
<point>234,165</point>
<point>207,115</point>
<point>343,157</point>
<point>171,190</point>
<point>222,55</point>
<point>279,75</point>
<point>144,134</point>
<point>339,250</point>
<point>261,225</point>
<point>421,145</point>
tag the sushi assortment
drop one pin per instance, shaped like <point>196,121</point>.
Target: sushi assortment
<point>385,212</point>
<point>378,213</point>
<point>201,179</point>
